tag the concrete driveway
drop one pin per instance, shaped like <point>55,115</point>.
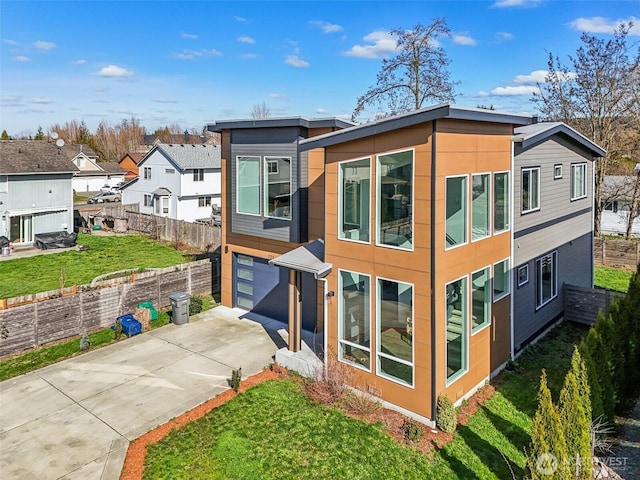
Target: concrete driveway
<point>74,419</point>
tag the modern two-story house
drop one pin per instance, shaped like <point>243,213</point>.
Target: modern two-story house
<point>397,243</point>
<point>36,195</point>
<point>177,181</point>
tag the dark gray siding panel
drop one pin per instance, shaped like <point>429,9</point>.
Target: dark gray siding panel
<point>273,228</point>
<point>575,266</point>
<point>263,136</point>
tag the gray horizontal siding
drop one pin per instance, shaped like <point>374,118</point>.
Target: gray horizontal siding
<point>273,228</point>
<point>555,195</point>
<point>265,136</point>
<point>575,267</point>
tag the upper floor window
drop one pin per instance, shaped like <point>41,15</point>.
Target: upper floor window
<point>169,171</point>
<point>480,206</point>
<point>456,211</point>
<point>147,172</point>
<point>277,188</point>
<point>501,207</point>
<point>353,199</point>
<point>480,299</point>
<point>248,185</point>
<point>557,171</point>
<point>530,189</point>
<point>198,174</point>
<point>395,198</point>
<point>80,162</point>
<point>578,181</point>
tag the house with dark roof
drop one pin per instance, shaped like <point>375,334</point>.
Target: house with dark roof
<point>394,240</point>
<point>36,194</point>
<point>92,174</point>
<point>180,181</point>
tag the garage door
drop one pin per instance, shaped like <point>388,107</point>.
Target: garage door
<point>264,289</point>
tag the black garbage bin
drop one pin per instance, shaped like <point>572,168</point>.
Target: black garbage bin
<point>180,307</point>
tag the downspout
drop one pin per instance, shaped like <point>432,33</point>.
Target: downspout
<point>325,340</point>
<point>593,220</point>
<point>433,272</point>
<point>512,229</point>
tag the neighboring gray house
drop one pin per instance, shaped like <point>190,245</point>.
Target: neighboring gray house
<point>178,181</point>
<point>36,195</point>
<point>553,223</point>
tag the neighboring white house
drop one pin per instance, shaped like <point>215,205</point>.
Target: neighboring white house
<point>617,195</point>
<point>177,181</point>
<point>92,175</point>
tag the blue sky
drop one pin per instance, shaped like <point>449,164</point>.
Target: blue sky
<point>192,62</point>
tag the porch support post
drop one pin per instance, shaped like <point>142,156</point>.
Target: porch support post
<point>295,311</point>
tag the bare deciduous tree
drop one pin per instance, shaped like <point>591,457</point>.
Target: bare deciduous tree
<point>416,74</point>
<point>260,110</point>
<point>597,94</point>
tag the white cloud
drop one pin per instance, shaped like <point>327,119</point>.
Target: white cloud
<point>296,61</point>
<point>7,41</point>
<point>190,36</point>
<point>537,76</point>
<point>44,46</point>
<point>246,39</point>
<point>249,56</point>
<point>42,100</point>
<point>463,39</point>
<point>517,90</point>
<point>79,62</point>
<point>321,111</point>
<point>165,100</point>
<point>212,52</point>
<point>516,3</point>
<point>326,27</point>
<point>504,36</point>
<point>381,44</point>
<point>22,58</point>
<point>278,96</point>
<point>113,71</point>
<point>10,100</point>
<point>193,54</point>
<point>604,25</point>
<point>240,19</point>
<point>482,93</point>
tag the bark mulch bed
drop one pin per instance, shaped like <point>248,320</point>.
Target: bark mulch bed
<point>393,422</point>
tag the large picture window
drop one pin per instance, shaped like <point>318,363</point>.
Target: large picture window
<point>395,198</point>
<point>456,211</point>
<point>457,321</point>
<point>480,299</point>
<point>501,211</point>
<point>355,319</point>
<point>395,331</point>
<point>530,189</point>
<point>277,191</point>
<point>578,181</point>
<point>248,185</point>
<point>480,206</point>
<point>354,199</point>
<point>546,278</point>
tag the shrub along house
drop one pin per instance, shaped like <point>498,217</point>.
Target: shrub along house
<point>393,238</point>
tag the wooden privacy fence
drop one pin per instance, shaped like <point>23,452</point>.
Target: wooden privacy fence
<point>204,237</point>
<point>33,320</point>
<point>615,252</point>
<point>581,305</point>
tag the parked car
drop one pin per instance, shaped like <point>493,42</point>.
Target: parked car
<point>105,197</point>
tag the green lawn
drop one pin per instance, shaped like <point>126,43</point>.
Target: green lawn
<point>21,276</point>
<point>612,278</point>
<point>273,432</point>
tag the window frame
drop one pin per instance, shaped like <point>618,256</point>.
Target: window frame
<point>147,200</point>
<point>204,201</point>
<point>341,201</point>
<point>489,205</point>
<point>554,284</point>
<point>259,183</point>
<point>466,211</point>
<point>509,201</point>
<point>507,280</point>
<point>147,173</point>
<point>378,333</point>
<point>269,164</point>
<point>378,197</point>
<point>522,268</point>
<point>465,334</point>
<point>574,169</point>
<point>556,175</point>
<point>198,174</point>
<point>537,207</point>
<point>265,186</point>
<point>169,171</point>
<point>341,320</point>
<point>488,285</point>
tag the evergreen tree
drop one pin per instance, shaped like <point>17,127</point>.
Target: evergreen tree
<point>628,328</point>
<point>5,135</point>
<point>548,452</point>
<point>39,134</point>
<point>577,424</point>
<point>597,410</point>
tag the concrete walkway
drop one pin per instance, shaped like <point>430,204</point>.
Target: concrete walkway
<point>74,419</point>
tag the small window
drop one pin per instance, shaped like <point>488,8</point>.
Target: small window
<point>148,200</point>
<point>578,181</point>
<point>204,201</point>
<point>169,171</point>
<point>147,173</point>
<point>272,167</point>
<point>198,175</point>
<point>530,189</point>
<point>523,275</point>
<point>501,274</point>
<point>557,172</point>
<point>456,211</point>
